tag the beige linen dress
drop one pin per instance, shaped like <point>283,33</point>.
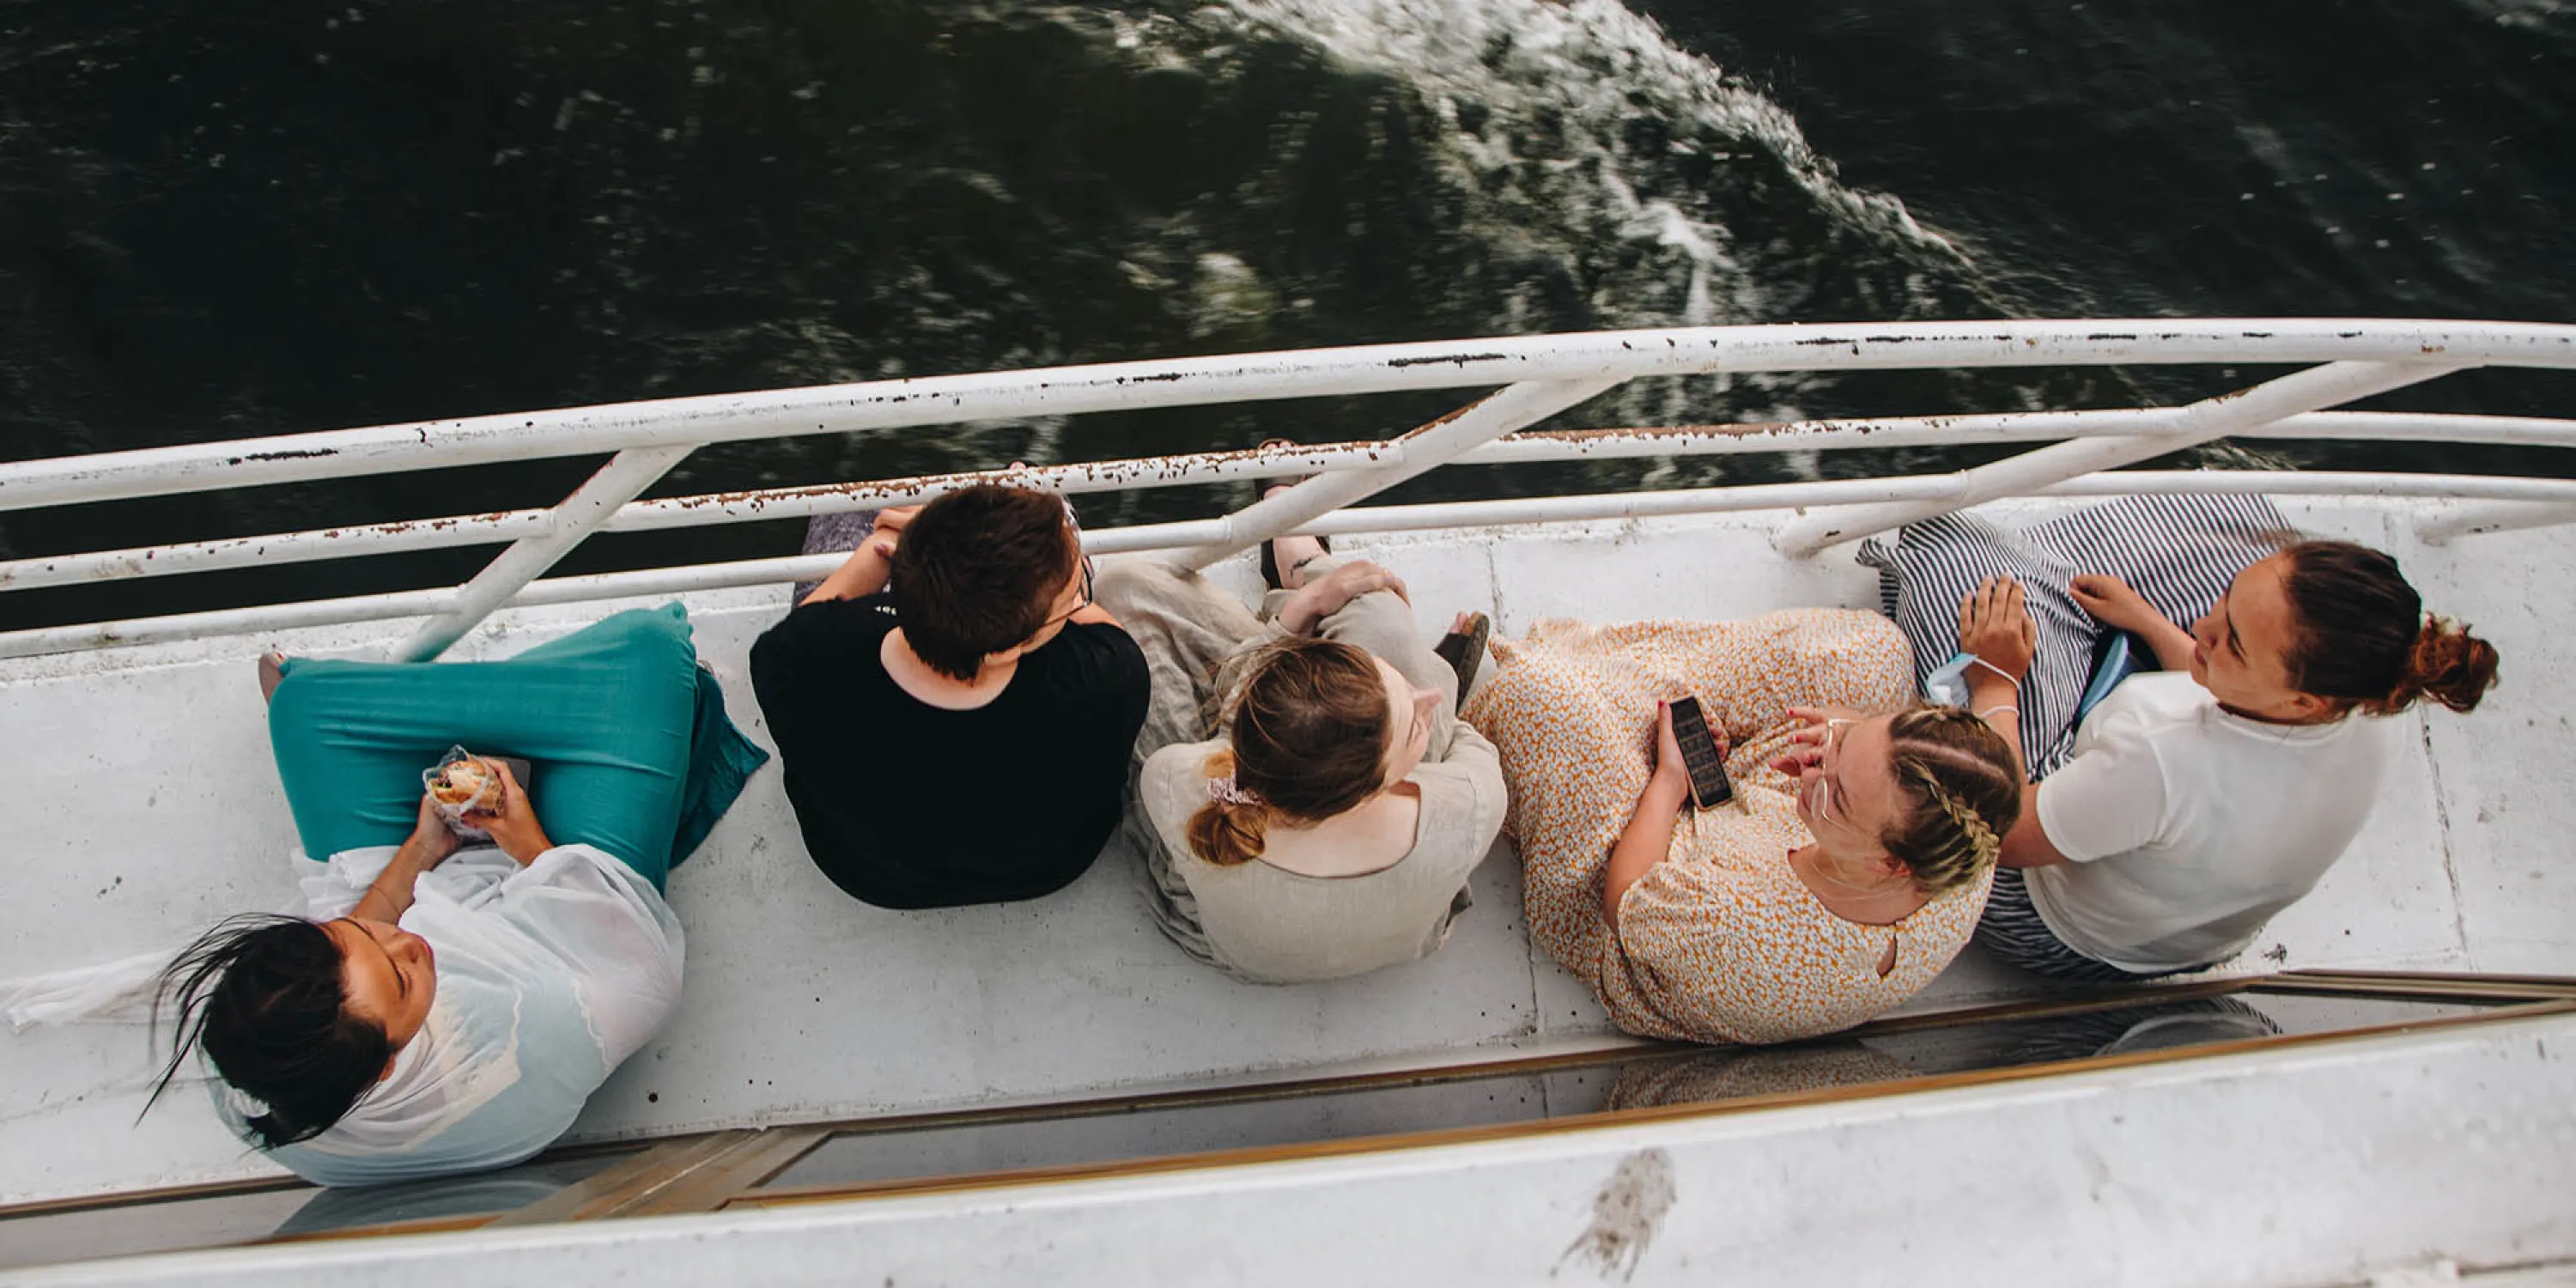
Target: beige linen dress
<point>1255,921</point>
<point>1720,942</point>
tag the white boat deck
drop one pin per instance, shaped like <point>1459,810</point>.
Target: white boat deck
<point>147,808</point>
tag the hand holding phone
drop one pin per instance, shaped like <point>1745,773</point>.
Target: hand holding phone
<point>1703,756</point>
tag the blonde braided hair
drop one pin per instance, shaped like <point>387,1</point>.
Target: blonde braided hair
<point>1965,787</point>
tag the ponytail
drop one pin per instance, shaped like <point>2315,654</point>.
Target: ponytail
<point>2363,640</point>
<point>1228,832</point>
<point>1307,720</point>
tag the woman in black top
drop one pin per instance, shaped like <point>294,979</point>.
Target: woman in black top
<point>962,735</point>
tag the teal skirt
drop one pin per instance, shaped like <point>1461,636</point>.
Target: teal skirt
<point>631,748</point>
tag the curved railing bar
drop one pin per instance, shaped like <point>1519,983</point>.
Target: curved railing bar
<point>1312,373</point>
<point>2557,493</point>
<point>1202,468</point>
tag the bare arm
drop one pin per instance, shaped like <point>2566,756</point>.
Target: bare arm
<point>1648,837</point>
<point>1995,624</point>
<point>428,846</point>
<point>864,572</point>
<point>2027,845</point>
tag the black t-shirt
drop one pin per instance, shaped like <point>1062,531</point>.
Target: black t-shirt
<point>907,805</point>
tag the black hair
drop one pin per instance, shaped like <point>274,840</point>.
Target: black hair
<point>262,998</point>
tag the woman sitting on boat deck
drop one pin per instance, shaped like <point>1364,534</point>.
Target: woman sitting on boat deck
<point>1848,873</point>
<point>2203,800</point>
<point>448,1007</point>
<point>1307,806</point>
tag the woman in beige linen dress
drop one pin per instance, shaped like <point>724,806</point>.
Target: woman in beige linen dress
<point>1339,836</point>
<point>1849,871</point>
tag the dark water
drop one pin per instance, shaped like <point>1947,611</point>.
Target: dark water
<point>225,220</point>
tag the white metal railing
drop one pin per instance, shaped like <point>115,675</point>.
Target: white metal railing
<point>2074,452</point>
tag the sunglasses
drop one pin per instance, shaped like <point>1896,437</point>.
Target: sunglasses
<point>1821,802</point>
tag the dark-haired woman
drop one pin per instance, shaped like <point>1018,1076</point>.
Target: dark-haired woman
<point>2205,799</point>
<point>1308,805</point>
<point>1844,877</point>
<point>448,1008</point>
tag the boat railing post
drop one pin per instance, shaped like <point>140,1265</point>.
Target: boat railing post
<point>1509,408</point>
<point>2241,411</point>
<point>621,480</point>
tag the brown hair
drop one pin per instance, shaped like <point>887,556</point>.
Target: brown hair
<point>1962,787</point>
<point>2362,638</point>
<point>1309,731</point>
<point>977,571</point>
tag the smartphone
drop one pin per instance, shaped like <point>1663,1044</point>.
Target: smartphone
<point>2118,656</point>
<point>1700,755</point>
<point>519,769</point>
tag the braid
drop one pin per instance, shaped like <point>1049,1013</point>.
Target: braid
<point>1967,789</point>
<point>1956,846</point>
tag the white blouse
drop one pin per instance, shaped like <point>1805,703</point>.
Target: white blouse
<point>549,976</point>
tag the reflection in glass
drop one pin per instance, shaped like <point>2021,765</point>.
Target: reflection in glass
<point>863,1158</point>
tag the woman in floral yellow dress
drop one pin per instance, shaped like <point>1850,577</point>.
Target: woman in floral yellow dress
<point>1850,870</point>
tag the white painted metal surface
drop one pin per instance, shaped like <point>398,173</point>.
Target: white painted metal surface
<point>1548,373</point>
<point>2244,411</point>
<point>623,479</point>
<point>1310,373</point>
<point>156,811</point>
<point>1534,447</point>
<point>161,814</point>
<point>2337,1164</point>
<point>1512,408</point>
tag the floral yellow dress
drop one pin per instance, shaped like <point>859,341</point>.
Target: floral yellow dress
<point>1720,942</point>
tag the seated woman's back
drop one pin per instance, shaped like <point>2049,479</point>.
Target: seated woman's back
<point>1331,823</point>
<point>2201,802</point>
<point>2219,821</point>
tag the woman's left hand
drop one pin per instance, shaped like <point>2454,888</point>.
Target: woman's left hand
<point>431,839</point>
<point>1806,743</point>
<point>1996,625</point>
<point>1310,604</point>
<point>1668,767</point>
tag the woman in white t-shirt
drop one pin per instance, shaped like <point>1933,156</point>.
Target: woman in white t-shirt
<point>2204,799</point>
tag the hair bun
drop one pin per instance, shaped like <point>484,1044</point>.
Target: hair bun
<point>2448,665</point>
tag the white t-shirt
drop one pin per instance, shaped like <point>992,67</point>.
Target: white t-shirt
<point>2188,827</point>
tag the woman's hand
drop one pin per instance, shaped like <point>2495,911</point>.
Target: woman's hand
<point>431,839</point>
<point>1996,625</point>
<point>1324,596</point>
<point>1807,741</point>
<point>389,895</point>
<point>1665,762</point>
<point>2114,603</point>
<point>514,826</point>
<point>895,518</point>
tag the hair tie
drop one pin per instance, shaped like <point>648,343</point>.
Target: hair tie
<point>1224,791</point>
<point>241,1102</point>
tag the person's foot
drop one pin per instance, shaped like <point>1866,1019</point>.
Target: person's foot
<point>1290,554</point>
<point>272,669</point>
<point>1463,648</point>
